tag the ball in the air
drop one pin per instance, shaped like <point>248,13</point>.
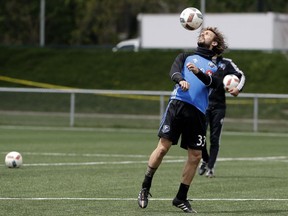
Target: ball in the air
<point>191,18</point>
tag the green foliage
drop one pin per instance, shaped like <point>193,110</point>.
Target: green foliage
<point>19,22</point>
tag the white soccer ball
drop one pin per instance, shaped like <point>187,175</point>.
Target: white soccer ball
<point>230,81</point>
<point>13,159</point>
<point>191,18</point>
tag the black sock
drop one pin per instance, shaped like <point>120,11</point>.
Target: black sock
<point>182,192</point>
<point>148,177</point>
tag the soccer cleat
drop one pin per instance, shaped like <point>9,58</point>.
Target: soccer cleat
<point>210,173</point>
<point>202,168</point>
<point>143,198</point>
<point>184,205</point>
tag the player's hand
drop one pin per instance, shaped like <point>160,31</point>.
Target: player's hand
<point>192,68</point>
<point>234,92</point>
<point>184,85</point>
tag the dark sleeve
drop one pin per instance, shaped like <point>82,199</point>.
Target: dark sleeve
<point>212,81</point>
<point>176,68</point>
<point>240,74</point>
<point>232,70</point>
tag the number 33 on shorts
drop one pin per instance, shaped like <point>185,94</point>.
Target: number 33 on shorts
<point>201,141</point>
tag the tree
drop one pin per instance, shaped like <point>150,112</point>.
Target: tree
<point>19,23</point>
<point>101,22</point>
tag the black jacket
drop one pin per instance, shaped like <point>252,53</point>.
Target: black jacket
<point>217,98</point>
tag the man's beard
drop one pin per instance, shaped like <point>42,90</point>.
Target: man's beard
<point>202,44</point>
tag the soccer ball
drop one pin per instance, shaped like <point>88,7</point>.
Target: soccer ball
<point>13,159</point>
<point>230,81</point>
<point>191,18</point>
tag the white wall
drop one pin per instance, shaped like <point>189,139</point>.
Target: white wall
<point>280,38</point>
<point>242,30</point>
<point>165,31</point>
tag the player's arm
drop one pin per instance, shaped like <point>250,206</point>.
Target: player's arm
<point>176,68</point>
<point>175,71</point>
<point>233,69</point>
<point>208,80</point>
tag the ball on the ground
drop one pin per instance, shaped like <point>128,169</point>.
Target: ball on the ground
<point>230,81</point>
<point>13,159</point>
<point>191,18</point>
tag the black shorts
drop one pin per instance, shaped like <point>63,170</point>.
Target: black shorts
<point>183,119</point>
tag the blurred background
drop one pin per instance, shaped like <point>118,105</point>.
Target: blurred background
<point>67,44</point>
<point>101,23</point>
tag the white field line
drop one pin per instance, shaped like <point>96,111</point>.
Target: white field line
<point>171,159</point>
<point>276,158</point>
<point>91,155</point>
<point>86,163</point>
<point>134,199</point>
<point>180,158</point>
<point>144,162</point>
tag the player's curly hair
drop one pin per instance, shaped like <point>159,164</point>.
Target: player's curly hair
<point>222,45</point>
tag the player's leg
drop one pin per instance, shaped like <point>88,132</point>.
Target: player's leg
<point>154,162</point>
<point>216,124</point>
<point>168,131</point>
<point>190,168</point>
<point>193,139</point>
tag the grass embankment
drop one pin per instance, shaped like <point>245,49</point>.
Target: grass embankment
<point>146,70</point>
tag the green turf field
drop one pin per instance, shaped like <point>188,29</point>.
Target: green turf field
<point>99,172</point>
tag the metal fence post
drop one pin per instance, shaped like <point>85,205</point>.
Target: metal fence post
<point>72,109</point>
<point>161,106</point>
<point>255,114</point>
<point>42,23</point>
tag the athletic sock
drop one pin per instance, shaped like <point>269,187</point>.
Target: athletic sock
<point>148,177</point>
<point>182,192</point>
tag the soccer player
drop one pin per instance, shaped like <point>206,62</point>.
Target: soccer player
<point>216,113</point>
<point>185,113</point>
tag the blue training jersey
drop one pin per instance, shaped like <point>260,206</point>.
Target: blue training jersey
<point>198,93</point>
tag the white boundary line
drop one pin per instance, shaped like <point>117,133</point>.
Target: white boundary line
<point>172,159</point>
<point>181,158</point>
<point>145,162</point>
<point>134,199</point>
<point>265,159</point>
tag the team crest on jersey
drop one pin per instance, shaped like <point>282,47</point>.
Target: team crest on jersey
<point>211,64</point>
<point>165,128</point>
<point>222,66</point>
<point>195,60</point>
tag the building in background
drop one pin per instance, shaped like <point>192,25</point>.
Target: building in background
<point>244,31</point>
